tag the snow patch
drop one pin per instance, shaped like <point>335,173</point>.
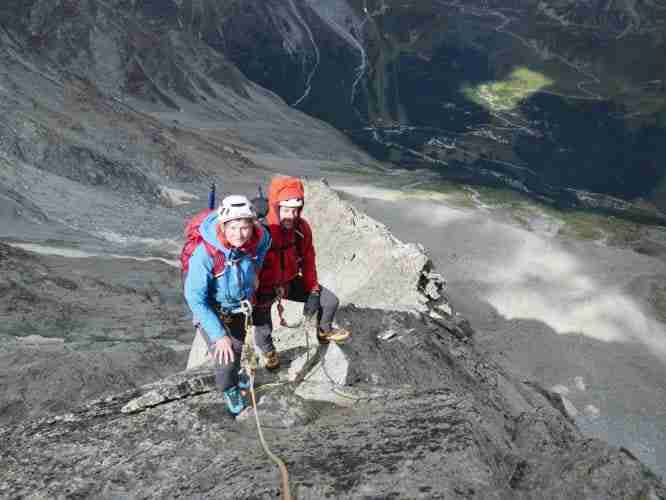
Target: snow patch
<point>175,197</point>
<point>591,411</point>
<point>560,389</point>
<point>579,382</point>
<point>39,340</point>
<point>167,245</point>
<point>49,250</point>
<point>569,407</point>
<point>78,254</point>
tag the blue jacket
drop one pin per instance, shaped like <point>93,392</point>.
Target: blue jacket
<point>237,282</point>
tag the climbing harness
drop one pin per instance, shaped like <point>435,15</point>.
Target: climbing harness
<point>250,367</point>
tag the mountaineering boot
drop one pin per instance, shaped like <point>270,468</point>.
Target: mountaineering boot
<point>334,335</point>
<point>271,360</point>
<point>235,401</point>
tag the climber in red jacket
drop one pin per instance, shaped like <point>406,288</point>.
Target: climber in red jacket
<point>290,270</point>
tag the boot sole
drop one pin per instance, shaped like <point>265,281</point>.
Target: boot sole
<point>335,341</point>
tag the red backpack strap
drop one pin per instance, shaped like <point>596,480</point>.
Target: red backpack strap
<point>192,241</point>
<point>217,256</point>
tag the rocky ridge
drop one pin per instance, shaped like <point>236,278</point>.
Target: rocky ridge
<point>108,108</point>
<point>451,425</point>
<point>407,408</point>
<point>363,261</point>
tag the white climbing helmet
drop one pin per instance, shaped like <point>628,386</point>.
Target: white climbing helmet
<point>236,207</point>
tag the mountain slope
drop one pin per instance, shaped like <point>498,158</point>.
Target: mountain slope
<point>120,104</point>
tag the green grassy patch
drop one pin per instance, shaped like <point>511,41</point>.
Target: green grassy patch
<point>590,226</point>
<point>505,95</point>
<point>658,300</point>
<point>505,198</point>
<point>452,194</point>
<point>354,170</point>
<point>578,224</point>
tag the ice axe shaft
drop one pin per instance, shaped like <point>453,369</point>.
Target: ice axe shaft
<point>211,197</point>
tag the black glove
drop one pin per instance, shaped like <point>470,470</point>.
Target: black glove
<point>312,305</point>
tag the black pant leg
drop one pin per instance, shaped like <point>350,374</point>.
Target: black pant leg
<point>262,321</point>
<point>226,374</point>
<point>328,307</point>
<point>328,302</point>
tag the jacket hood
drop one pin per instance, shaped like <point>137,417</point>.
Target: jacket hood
<point>280,189</point>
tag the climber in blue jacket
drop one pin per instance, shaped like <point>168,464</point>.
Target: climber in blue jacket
<point>221,261</point>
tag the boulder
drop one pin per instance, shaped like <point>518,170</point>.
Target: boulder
<point>198,352</point>
<point>329,379</point>
<point>362,262</point>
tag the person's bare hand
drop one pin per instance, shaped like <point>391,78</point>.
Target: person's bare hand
<point>223,352</point>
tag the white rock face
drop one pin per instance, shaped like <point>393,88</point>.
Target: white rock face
<point>560,389</point>
<point>301,365</point>
<point>579,382</point>
<point>359,259</point>
<point>334,368</point>
<point>198,352</point>
<point>39,340</point>
<point>569,407</point>
<point>327,380</point>
<point>591,411</point>
<point>172,197</point>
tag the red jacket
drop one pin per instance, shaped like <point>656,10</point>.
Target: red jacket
<point>290,253</point>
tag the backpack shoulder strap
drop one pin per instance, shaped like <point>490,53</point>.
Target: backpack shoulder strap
<point>299,242</point>
<point>300,238</point>
<point>217,256</point>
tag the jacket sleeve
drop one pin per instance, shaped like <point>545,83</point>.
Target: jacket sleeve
<point>197,288</point>
<point>310,280</point>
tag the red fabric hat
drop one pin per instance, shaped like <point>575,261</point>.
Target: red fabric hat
<point>282,189</point>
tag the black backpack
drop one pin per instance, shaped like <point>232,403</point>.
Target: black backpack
<point>260,204</point>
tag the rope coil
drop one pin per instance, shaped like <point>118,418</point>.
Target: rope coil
<point>280,295</point>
